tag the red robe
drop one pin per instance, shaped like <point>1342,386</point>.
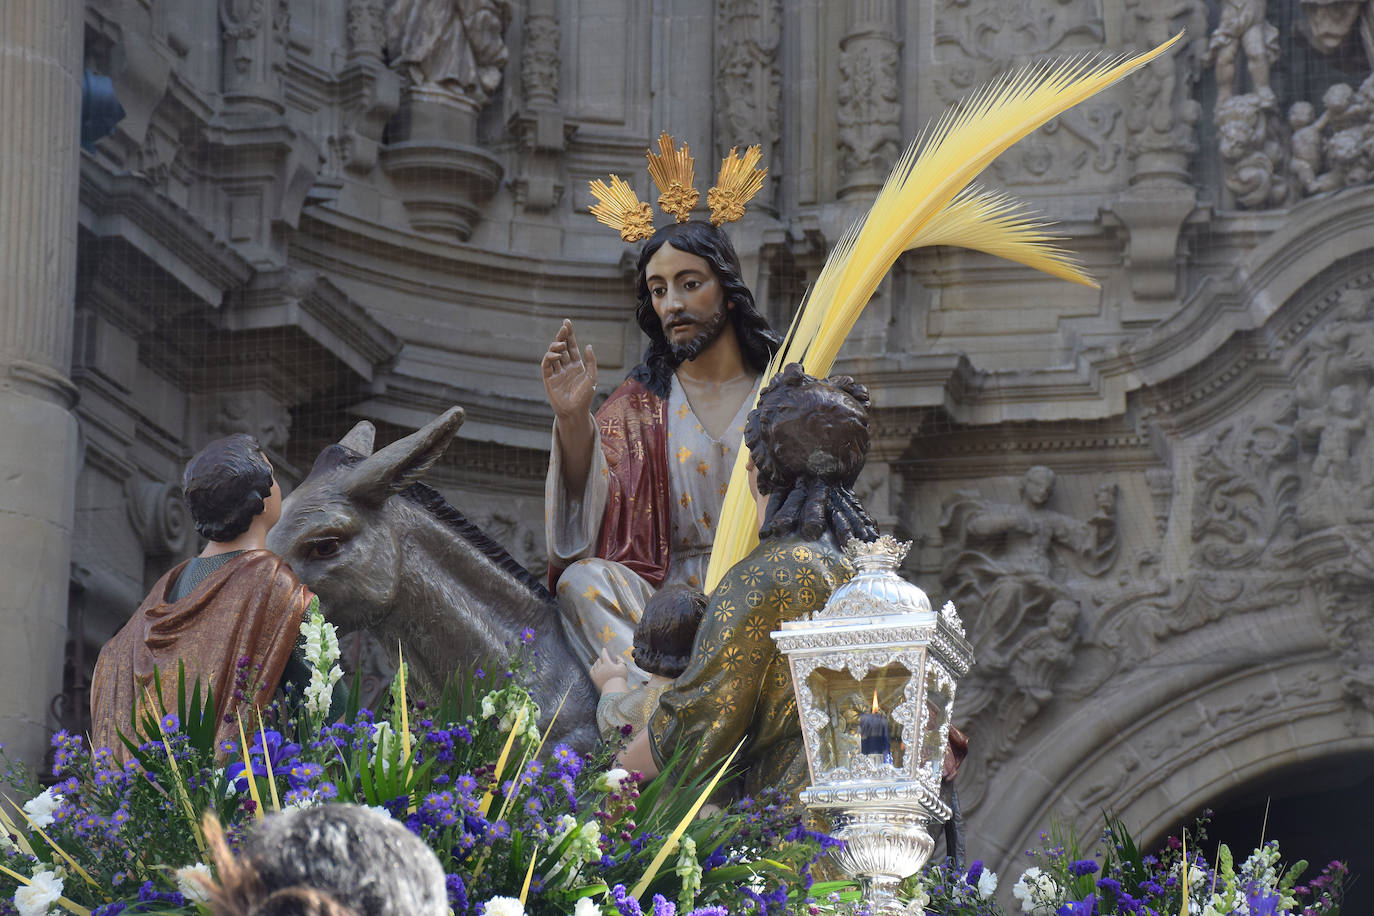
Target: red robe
<point>635,527</point>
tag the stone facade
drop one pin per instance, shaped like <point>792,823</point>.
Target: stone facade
<point>317,212</point>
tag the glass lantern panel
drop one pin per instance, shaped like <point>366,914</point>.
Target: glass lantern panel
<point>935,732</point>
<point>853,727</point>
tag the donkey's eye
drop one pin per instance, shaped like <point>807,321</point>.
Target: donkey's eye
<point>323,549</point>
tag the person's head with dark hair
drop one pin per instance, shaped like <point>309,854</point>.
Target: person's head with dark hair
<point>332,860</point>
<point>667,631</point>
<point>226,485</point>
<point>807,439</point>
<point>737,310</point>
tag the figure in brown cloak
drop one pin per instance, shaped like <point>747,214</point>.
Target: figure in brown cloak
<point>234,610</point>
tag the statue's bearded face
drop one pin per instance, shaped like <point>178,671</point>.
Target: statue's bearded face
<point>1329,22</point>
<point>689,300</point>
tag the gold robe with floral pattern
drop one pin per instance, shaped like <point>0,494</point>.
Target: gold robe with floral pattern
<point>738,685</point>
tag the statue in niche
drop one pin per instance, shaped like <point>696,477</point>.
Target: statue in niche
<point>1003,561</point>
<point>1161,115</point>
<point>807,438</point>
<point>1243,29</point>
<point>455,45</point>
<point>236,600</point>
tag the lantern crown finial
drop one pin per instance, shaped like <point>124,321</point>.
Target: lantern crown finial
<point>885,553</point>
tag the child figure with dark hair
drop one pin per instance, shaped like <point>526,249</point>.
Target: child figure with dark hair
<point>662,647</point>
<point>233,612</point>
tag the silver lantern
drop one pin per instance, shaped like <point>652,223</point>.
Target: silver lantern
<point>875,673</point>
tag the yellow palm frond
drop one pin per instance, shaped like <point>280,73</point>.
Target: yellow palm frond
<point>993,223</point>
<point>922,202</point>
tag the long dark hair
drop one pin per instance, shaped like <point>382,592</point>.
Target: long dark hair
<point>808,439</point>
<point>757,340</point>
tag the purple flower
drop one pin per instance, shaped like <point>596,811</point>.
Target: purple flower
<point>457,893</point>
<point>1085,907</point>
<point>624,903</point>
<point>975,871</point>
<point>662,907</point>
<point>170,723</point>
<point>1081,867</point>
<point>1262,903</point>
<point>527,635</point>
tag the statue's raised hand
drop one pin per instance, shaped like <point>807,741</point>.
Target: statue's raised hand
<point>569,375</point>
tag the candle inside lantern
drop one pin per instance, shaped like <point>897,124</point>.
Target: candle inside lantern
<point>873,733</point>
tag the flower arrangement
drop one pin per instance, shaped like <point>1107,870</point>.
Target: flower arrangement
<point>518,827</point>
<point>1122,881</point>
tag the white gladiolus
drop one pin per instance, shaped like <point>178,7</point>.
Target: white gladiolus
<point>987,884</point>
<point>188,884</point>
<point>504,906</point>
<point>613,779</point>
<point>322,653</point>
<point>35,898</point>
<point>40,808</point>
<point>585,907</point>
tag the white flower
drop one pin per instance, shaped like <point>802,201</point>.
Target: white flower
<point>190,887</point>
<point>1035,889</point>
<point>44,888</point>
<point>40,807</point>
<point>5,842</point>
<point>585,907</point>
<point>613,778</point>
<point>488,707</point>
<point>987,884</point>
<point>504,906</point>
<point>916,906</point>
<point>320,691</point>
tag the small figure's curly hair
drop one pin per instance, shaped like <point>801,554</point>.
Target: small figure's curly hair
<point>757,340</point>
<point>226,485</point>
<point>333,860</point>
<point>665,635</point>
<point>808,439</point>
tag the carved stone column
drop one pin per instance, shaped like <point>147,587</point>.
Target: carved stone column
<point>253,33</point>
<point>870,109</point>
<point>749,82</point>
<point>40,81</point>
<point>1161,122</point>
<point>539,125</point>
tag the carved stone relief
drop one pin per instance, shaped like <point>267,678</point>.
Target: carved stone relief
<point>975,39</point>
<point>366,25</point>
<point>539,61</point>
<point>1016,573</point>
<point>251,412</point>
<point>1162,118</point>
<point>749,79</point>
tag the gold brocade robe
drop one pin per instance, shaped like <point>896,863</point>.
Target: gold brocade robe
<point>738,685</point>
<point>250,607</point>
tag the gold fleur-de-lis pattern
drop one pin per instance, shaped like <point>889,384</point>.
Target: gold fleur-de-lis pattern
<point>738,684</point>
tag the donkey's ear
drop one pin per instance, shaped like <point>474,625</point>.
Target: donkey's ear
<point>360,438</point>
<point>402,462</point>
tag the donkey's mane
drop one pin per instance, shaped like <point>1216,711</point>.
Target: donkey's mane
<point>433,502</point>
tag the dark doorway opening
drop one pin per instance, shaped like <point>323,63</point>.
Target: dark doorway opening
<point>1318,811</point>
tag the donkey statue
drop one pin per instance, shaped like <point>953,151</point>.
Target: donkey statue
<point>388,555</point>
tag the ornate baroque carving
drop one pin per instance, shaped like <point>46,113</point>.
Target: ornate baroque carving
<point>366,25</point>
